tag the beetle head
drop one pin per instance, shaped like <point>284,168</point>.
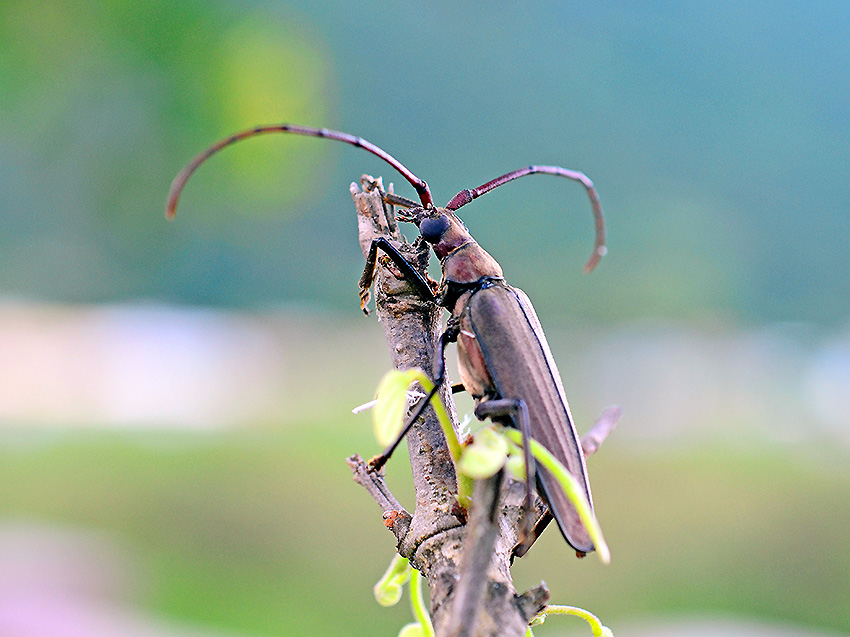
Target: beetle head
<point>462,259</point>
<point>442,229</point>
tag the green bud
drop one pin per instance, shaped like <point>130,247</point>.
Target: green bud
<point>516,467</point>
<point>411,630</point>
<point>485,456</point>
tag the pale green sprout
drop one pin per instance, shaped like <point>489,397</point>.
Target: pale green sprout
<point>420,612</point>
<point>388,593</point>
<point>516,467</point>
<point>599,630</point>
<point>388,589</point>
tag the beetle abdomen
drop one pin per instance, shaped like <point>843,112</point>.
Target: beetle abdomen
<point>521,367</point>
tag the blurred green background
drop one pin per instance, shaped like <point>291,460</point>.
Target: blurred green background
<point>175,397</point>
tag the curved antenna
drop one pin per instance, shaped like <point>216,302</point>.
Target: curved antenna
<point>180,180</point>
<point>599,250</point>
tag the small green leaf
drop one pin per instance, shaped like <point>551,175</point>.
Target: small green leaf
<point>391,405</point>
<point>417,604</point>
<point>411,630</point>
<point>389,594</point>
<point>485,456</point>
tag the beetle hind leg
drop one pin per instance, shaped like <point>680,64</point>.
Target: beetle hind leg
<point>517,410</point>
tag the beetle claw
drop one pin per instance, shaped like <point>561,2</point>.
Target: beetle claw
<point>376,463</point>
<point>526,536</point>
<point>365,295</point>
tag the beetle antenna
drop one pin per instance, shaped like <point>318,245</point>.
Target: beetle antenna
<point>180,180</point>
<point>599,250</point>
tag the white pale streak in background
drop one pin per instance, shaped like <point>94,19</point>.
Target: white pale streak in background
<point>159,366</point>
<point>134,366</point>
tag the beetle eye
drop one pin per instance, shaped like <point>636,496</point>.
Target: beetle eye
<point>432,228</point>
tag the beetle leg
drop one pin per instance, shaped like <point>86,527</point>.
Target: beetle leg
<point>406,268</point>
<point>439,376</point>
<point>500,408</point>
<point>542,522</point>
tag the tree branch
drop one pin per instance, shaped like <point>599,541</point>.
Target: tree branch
<point>396,519</point>
<point>467,565</point>
<point>604,425</point>
<point>412,328</point>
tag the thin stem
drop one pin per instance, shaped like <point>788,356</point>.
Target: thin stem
<point>417,603</point>
<point>599,630</point>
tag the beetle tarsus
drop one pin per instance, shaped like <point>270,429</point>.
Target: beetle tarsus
<point>376,463</point>
<point>365,295</point>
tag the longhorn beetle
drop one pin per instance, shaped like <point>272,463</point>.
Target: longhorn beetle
<point>503,357</point>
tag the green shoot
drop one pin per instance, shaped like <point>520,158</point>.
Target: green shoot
<point>599,630</point>
<point>388,593</point>
<point>417,602</point>
<point>388,589</point>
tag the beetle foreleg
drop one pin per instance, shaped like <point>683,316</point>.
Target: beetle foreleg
<point>406,268</point>
<point>500,408</point>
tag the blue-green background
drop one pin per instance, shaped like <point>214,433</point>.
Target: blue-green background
<point>716,133</point>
